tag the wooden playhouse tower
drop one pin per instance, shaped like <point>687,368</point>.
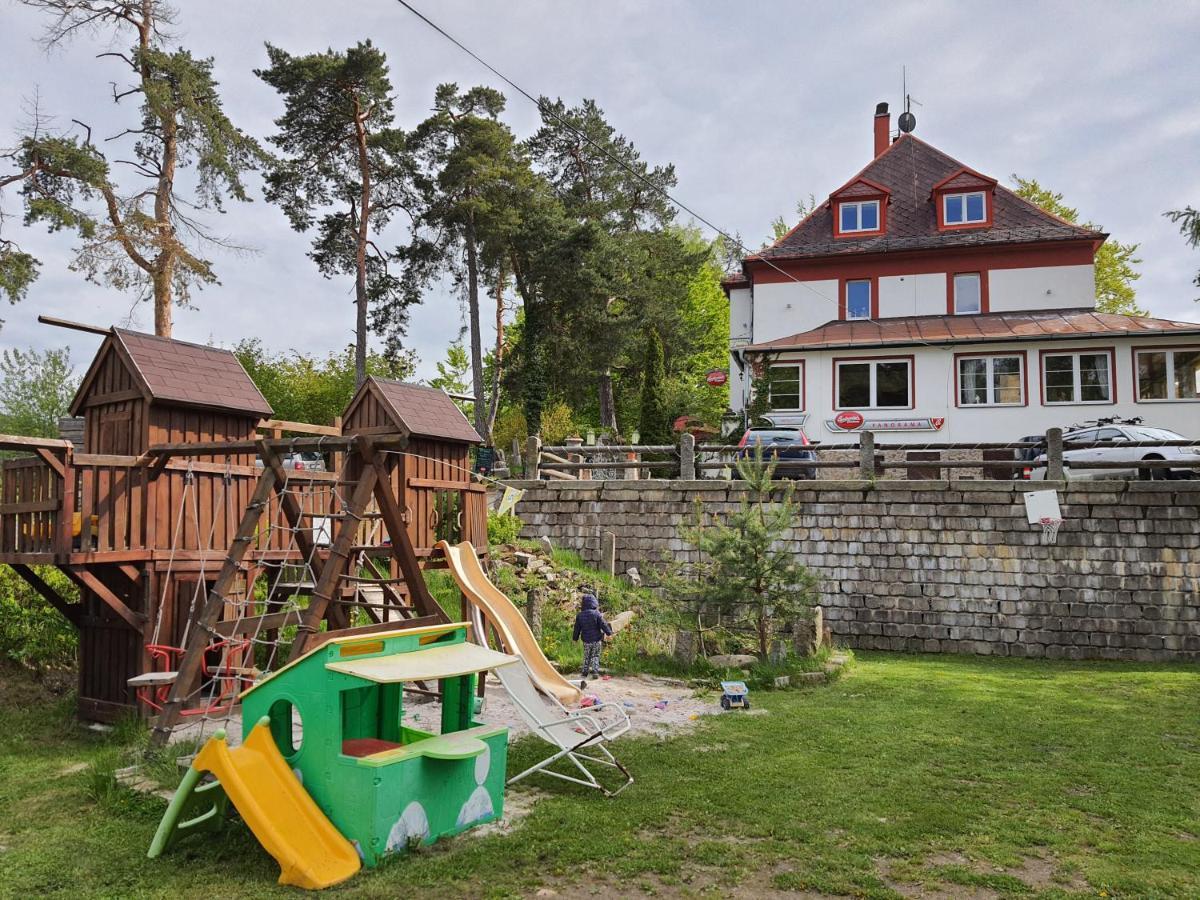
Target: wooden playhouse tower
<point>182,526</point>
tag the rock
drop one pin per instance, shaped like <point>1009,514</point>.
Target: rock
<point>685,646</point>
<point>621,621</point>
<point>546,545</point>
<point>551,578</point>
<point>809,678</point>
<point>783,681</point>
<point>732,660</point>
<point>634,576</point>
<point>524,559</point>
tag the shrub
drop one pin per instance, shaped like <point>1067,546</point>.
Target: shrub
<point>502,529</point>
<point>558,424</point>
<point>32,632</point>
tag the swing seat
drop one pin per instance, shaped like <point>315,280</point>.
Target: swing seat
<point>154,687</point>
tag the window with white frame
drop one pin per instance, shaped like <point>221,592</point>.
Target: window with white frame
<point>785,385</point>
<point>874,384</point>
<point>991,380</point>
<point>1077,377</point>
<point>862,215</point>
<point>968,293</point>
<point>964,209</point>
<point>1169,374</point>
<point>858,299</point>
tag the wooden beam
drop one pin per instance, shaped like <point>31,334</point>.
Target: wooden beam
<point>298,427</point>
<point>84,578</point>
<point>203,624</point>
<point>114,397</point>
<point>20,442</point>
<point>337,563</point>
<point>52,461</point>
<point>402,548</point>
<point>254,624</point>
<point>71,611</point>
<point>218,448</point>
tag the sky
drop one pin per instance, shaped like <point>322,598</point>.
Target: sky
<point>757,105</point>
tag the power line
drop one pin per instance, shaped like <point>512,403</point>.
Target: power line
<point>547,110</point>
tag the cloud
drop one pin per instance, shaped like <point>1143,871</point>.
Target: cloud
<point>756,104</point>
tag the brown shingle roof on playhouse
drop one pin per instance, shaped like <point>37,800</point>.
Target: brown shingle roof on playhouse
<point>179,372</point>
<point>945,329</point>
<point>424,411</point>
<point>909,170</point>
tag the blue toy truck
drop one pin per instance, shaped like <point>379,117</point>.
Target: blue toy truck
<point>734,695</point>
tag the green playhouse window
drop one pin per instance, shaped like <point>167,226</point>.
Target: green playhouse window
<point>371,717</point>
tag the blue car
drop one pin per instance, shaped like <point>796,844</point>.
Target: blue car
<point>786,446</point>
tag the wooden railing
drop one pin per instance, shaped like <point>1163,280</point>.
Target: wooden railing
<point>865,458</point>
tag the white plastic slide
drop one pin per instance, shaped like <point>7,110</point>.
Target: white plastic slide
<point>510,624</point>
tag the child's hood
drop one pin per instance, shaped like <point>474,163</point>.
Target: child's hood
<point>590,602</point>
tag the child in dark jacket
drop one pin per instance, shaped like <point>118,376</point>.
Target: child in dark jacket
<point>590,626</point>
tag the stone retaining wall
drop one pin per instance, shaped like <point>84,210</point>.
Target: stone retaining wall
<point>937,566</point>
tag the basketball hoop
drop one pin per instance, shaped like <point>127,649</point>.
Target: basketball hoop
<point>1050,526</point>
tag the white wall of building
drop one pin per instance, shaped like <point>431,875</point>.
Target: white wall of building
<point>912,295</point>
<point>1045,287</point>
<point>935,395</point>
<point>786,308</point>
<point>741,316</point>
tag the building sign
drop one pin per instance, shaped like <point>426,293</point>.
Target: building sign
<point>716,377</point>
<point>854,421</point>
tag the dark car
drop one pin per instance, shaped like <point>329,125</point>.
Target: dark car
<point>787,446</point>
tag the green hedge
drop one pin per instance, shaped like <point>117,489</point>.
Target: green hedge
<point>32,632</point>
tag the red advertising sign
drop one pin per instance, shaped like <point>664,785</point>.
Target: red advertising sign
<point>716,377</point>
<point>849,420</point>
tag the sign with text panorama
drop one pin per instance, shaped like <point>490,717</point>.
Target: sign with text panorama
<point>867,423</point>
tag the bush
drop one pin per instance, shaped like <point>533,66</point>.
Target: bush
<point>32,632</point>
<point>558,424</point>
<point>510,425</point>
<point>502,529</point>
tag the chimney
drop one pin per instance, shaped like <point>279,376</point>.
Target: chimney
<point>883,127</point>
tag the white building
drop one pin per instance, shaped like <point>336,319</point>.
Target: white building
<point>925,300</point>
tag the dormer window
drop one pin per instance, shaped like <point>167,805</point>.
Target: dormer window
<point>963,199</point>
<point>859,209</point>
<point>965,209</point>
<point>862,216</point>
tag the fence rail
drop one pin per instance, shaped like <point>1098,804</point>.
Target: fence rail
<point>1051,459</point>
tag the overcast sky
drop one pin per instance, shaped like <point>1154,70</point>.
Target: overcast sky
<point>756,104</point>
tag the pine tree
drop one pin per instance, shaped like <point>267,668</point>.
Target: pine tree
<point>653,423</point>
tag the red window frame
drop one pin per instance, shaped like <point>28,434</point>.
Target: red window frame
<point>1112,374</point>
<point>887,357</point>
<point>842,282</point>
<point>874,192</point>
<point>1137,391</point>
<point>1024,380</point>
<point>984,299</point>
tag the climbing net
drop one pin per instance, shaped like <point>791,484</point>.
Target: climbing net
<point>276,578</point>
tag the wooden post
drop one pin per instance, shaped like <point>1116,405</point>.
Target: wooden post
<point>866,449</point>
<point>687,456</point>
<point>608,552</point>
<point>66,511</point>
<point>533,457</point>
<point>533,611</point>
<point>1054,454</point>
<point>631,474</point>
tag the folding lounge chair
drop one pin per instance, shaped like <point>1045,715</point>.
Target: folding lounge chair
<point>571,731</point>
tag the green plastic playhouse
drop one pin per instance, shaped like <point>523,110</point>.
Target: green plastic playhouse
<point>336,715</point>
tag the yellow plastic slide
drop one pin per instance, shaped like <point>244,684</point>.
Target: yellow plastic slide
<point>291,827</point>
<point>511,625</point>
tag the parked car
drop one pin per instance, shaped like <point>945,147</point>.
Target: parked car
<point>780,443</point>
<point>1114,444</point>
<point>307,460</point>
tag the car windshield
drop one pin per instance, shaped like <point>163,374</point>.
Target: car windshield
<point>783,437</point>
<point>1156,434</point>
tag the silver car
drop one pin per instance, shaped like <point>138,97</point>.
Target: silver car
<point>1116,443</point>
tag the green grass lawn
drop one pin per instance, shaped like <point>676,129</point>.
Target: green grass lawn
<point>972,777</point>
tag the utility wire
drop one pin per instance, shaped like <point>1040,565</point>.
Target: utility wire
<point>546,110</point>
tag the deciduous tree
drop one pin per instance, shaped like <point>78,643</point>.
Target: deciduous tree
<point>1115,262</point>
<point>36,389</point>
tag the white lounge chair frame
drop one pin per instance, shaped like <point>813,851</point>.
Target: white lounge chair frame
<point>571,731</point>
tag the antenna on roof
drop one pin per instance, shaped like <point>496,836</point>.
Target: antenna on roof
<point>907,121</point>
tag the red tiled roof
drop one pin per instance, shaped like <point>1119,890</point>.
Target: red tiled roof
<point>734,279</point>
<point>909,169</point>
<point>946,329</point>
<point>172,371</point>
<point>425,411</point>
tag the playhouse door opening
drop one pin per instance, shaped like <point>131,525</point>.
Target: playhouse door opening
<point>447,516</point>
